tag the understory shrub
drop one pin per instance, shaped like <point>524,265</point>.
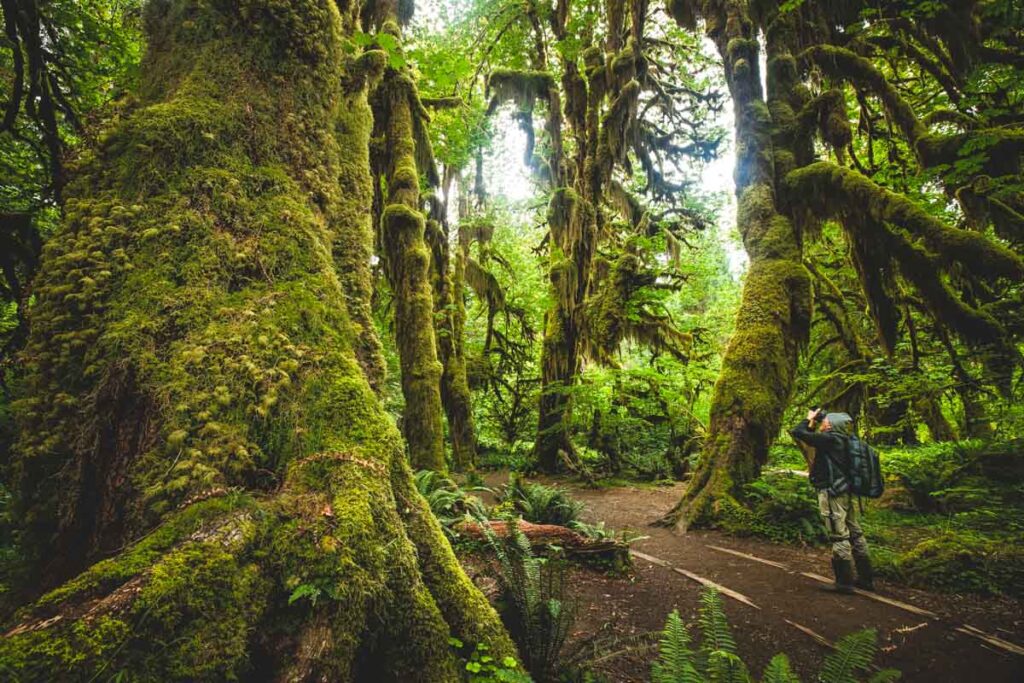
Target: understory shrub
<point>539,503</point>
<point>780,507</point>
<point>960,561</point>
<point>536,607</point>
<point>718,660</point>
<point>449,502</point>
<point>955,519</point>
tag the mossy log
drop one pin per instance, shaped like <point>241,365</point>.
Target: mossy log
<point>194,410</point>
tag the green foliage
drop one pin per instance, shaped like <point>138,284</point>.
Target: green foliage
<point>719,662</point>
<point>538,610</point>
<point>953,518</point>
<point>675,659</point>
<point>779,506</point>
<point>481,667</point>
<point>541,504</point>
<point>449,502</point>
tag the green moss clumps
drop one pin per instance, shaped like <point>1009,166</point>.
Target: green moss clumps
<point>522,86</point>
<point>195,408</point>
<point>845,65</point>
<point>407,266</point>
<point>836,191</point>
<point>957,561</point>
<point>200,597</point>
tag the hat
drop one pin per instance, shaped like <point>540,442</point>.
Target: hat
<point>840,422</point>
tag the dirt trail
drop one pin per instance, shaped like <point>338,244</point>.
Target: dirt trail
<point>791,613</point>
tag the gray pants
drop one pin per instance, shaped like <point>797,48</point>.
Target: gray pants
<point>842,523</point>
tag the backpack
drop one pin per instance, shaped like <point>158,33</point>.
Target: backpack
<point>865,473</point>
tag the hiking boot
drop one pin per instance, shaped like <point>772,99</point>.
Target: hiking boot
<point>843,569</point>
<point>865,574</point>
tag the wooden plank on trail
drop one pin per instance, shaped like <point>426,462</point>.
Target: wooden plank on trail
<point>813,634</point>
<point>994,641</point>
<point>746,556</point>
<point>739,597</point>
<point>913,609</point>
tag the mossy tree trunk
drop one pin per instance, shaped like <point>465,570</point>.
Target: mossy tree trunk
<point>758,368</point>
<point>407,264</point>
<point>195,411</point>
<point>450,313</point>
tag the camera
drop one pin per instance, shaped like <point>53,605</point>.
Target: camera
<point>819,414</point>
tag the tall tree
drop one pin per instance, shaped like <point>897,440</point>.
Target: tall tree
<point>959,276</point>
<point>400,122</point>
<point>621,120</point>
<point>195,411</point>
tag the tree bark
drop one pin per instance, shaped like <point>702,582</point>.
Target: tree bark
<point>407,264</point>
<point>450,312</point>
<point>775,310</point>
<point>194,410</point>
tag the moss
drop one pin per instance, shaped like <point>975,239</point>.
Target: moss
<point>194,405</point>
<point>522,86</point>
<point>958,561</point>
<point>407,265</point>
<point>833,191</point>
<point>845,65</point>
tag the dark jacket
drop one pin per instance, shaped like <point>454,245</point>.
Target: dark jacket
<point>827,445</point>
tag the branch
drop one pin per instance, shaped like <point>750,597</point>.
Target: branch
<point>833,191</point>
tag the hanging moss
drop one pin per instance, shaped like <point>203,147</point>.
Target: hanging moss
<point>522,86</point>
<point>194,406</point>
<point>833,190</point>
<point>844,65</point>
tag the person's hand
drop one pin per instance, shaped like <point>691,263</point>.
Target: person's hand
<point>811,414</point>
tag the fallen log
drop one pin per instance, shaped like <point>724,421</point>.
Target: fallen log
<point>605,551</point>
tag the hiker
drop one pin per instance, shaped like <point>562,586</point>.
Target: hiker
<point>828,473</point>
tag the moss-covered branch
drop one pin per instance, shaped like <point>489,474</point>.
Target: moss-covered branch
<point>845,65</point>
<point>834,191</point>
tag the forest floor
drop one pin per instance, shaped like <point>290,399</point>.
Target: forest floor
<point>932,636</point>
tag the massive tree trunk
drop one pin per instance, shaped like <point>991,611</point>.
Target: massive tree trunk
<point>407,264</point>
<point>195,411</point>
<point>757,374</point>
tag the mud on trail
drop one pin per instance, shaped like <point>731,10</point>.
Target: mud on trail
<point>931,637</point>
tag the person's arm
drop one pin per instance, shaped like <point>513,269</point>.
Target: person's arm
<point>804,434</point>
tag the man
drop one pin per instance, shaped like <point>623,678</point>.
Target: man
<point>829,466</point>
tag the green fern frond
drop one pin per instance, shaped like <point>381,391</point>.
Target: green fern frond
<point>713,624</point>
<point>779,671</point>
<point>726,667</point>
<point>886,676</point>
<point>853,652</point>
<point>675,659</point>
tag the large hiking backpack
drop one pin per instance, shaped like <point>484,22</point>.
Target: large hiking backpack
<point>865,474</point>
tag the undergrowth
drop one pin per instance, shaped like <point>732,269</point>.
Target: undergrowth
<point>718,659</point>
<point>952,517</point>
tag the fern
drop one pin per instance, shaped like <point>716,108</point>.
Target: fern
<point>779,671</point>
<point>675,658</point>
<point>853,653</point>
<point>542,504</point>
<point>539,616</point>
<point>726,667</point>
<point>714,625</point>
<point>720,663</point>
